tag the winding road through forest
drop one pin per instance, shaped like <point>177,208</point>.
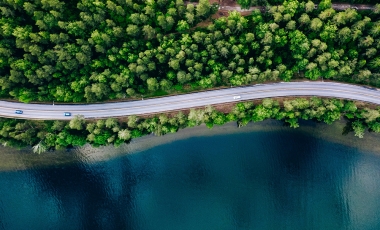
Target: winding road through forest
<point>157,105</point>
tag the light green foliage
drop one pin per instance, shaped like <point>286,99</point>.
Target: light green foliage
<point>203,8</point>
<point>39,148</point>
<point>309,6</point>
<point>324,4</point>
<point>316,24</point>
<point>299,43</point>
<point>124,134</point>
<point>376,9</point>
<point>165,84</point>
<point>111,123</point>
<point>152,84</point>
<point>245,4</point>
<point>196,117</point>
<point>182,26</point>
<point>132,121</point>
<point>133,30</point>
<point>326,14</point>
<point>358,128</point>
<point>77,122</point>
<point>148,31</point>
<point>370,115</point>
<point>304,19</point>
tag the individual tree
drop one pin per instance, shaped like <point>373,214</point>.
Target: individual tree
<point>203,8</point>
<point>182,26</point>
<point>149,31</point>
<point>131,92</point>
<point>132,121</point>
<point>366,41</point>
<point>165,84</point>
<point>328,32</point>
<point>277,17</point>
<point>304,19</point>
<point>370,52</point>
<point>340,18</point>
<point>124,134</point>
<point>370,115</point>
<point>58,125</point>
<point>133,30</point>
<point>358,128</point>
<point>172,12</point>
<point>174,63</point>
<point>182,77</point>
<point>224,52</point>
<point>375,30</point>
<point>375,63</point>
<point>291,25</point>
<point>309,6</point>
<point>161,21</point>
<point>77,122</point>
<point>40,147</point>
<point>351,14</point>
<point>326,14</point>
<point>196,117</point>
<point>244,4</point>
<point>324,4</point>
<point>316,24</point>
<point>299,43</point>
<point>376,8</point>
<point>169,22</point>
<point>111,123</point>
<point>344,34</point>
<point>152,84</point>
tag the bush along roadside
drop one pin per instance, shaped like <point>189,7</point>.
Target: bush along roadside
<point>50,135</point>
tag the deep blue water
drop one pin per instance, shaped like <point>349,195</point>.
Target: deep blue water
<point>255,180</point>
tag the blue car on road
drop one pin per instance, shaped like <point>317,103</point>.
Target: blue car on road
<point>67,114</point>
<point>18,111</point>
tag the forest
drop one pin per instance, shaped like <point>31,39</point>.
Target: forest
<point>87,51</point>
<point>248,3</point>
<point>50,135</point>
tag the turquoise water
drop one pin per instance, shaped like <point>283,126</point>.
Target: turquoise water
<point>272,178</point>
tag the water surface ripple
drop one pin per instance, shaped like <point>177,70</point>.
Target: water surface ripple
<point>271,177</point>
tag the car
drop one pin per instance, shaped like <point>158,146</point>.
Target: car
<point>370,88</point>
<point>67,114</point>
<point>18,111</point>
<point>237,97</point>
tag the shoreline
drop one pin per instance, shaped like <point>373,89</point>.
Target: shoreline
<point>13,159</point>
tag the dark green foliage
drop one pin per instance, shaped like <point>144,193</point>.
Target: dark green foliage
<point>83,50</point>
<point>86,50</point>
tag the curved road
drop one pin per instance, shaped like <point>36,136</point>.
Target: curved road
<point>322,89</point>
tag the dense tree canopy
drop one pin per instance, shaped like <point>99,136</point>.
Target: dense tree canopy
<point>85,50</point>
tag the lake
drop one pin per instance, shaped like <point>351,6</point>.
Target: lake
<point>263,176</point>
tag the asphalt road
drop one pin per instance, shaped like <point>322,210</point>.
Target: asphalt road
<point>322,89</point>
